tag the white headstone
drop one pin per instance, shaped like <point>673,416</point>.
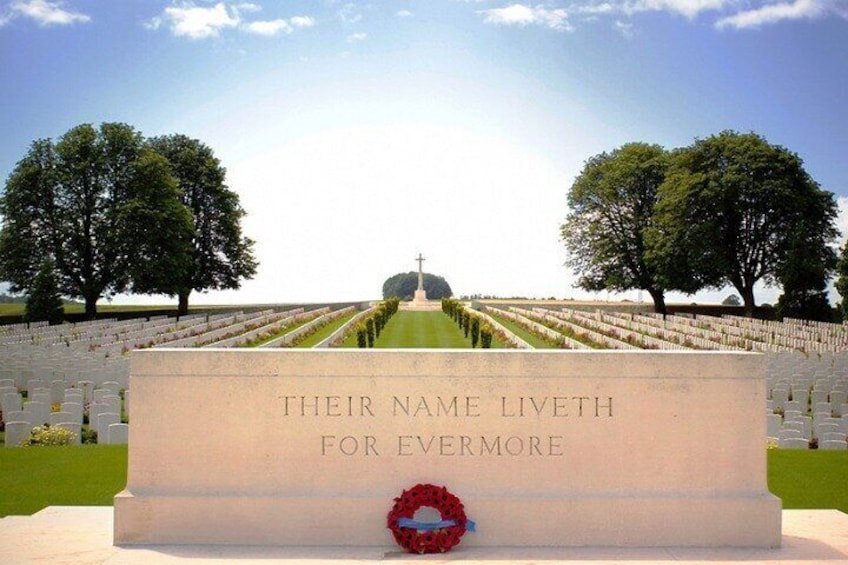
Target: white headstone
<point>16,432</point>
<point>119,433</point>
<point>105,420</point>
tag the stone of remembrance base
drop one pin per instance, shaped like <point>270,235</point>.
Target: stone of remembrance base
<point>310,447</point>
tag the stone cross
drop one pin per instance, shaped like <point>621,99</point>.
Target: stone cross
<point>420,260</point>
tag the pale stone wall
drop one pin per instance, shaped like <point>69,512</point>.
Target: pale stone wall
<point>310,447</point>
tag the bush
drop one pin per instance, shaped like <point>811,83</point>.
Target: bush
<point>361,339</point>
<point>89,436</point>
<point>45,435</point>
<point>486,337</point>
<point>475,331</point>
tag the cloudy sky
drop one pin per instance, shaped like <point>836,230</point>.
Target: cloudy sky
<point>359,134</point>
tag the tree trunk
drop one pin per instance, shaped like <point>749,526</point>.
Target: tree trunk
<point>91,307</point>
<point>747,293</point>
<point>659,300</point>
<point>182,308</point>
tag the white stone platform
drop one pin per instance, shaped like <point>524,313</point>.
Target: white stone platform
<point>83,535</point>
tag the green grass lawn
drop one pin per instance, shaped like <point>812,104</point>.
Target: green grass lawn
<point>326,331</point>
<point>32,478</point>
<point>421,329</point>
<point>809,479</point>
<point>531,338</point>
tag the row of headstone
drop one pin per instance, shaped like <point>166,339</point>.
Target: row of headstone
<point>104,406</point>
<point>315,319</point>
<point>267,324</point>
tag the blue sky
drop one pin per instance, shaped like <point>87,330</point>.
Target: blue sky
<point>359,134</point>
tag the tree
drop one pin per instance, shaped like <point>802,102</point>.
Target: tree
<point>43,302</point>
<point>611,207</point>
<point>728,211</point>
<point>403,285</point>
<point>842,279</point>
<point>221,256</point>
<point>809,264</point>
<point>72,202</point>
<point>732,300</point>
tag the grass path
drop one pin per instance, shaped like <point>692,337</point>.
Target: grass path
<point>528,336</point>
<point>421,329</point>
<point>325,332</point>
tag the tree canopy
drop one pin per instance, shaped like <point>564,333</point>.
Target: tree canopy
<point>43,302</point>
<point>611,207</point>
<point>220,256</point>
<point>106,209</point>
<point>404,285</point>
<point>736,210</point>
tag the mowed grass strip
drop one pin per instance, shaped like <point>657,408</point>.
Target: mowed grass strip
<point>408,329</point>
<point>528,336</point>
<point>809,478</point>
<point>325,332</point>
<point>33,478</point>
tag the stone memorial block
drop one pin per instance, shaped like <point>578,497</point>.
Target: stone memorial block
<point>87,390</point>
<point>17,416</point>
<point>802,397</point>
<point>119,433</point>
<point>793,406</point>
<point>33,384</point>
<point>11,401</point>
<point>75,409</point>
<point>94,410</point>
<point>57,391</point>
<point>794,443</point>
<point>74,428</point>
<point>61,417</point>
<point>310,447</point>
<point>16,432</point>
<point>114,402</point>
<point>104,420</point>
<point>834,444</point>
<point>38,412</point>
<point>828,436</point>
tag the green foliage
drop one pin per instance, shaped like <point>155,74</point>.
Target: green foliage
<point>486,336</point>
<point>841,283</point>
<point>734,209</point>
<point>47,435</point>
<point>475,331</point>
<point>732,300</point>
<point>369,330</point>
<point>221,255</point>
<point>361,337</point>
<point>98,205</point>
<point>611,207</point>
<point>403,285</point>
<point>43,301</point>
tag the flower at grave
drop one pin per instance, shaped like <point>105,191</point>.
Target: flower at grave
<point>424,537</point>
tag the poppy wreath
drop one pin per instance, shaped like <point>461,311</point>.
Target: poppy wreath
<point>438,540</point>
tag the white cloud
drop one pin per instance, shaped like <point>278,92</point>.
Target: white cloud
<point>773,13</point>
<point>269,28</point>
<point>273,27</point>
<point>348,14</point>
<point>187,19</point>
<point>44,12</point>
<point>624,28</point>
<point>404,14</point>
<point>302,21</point>
<point>523,15</point>
<point>842,216</point>
<point>356,37</point>
<point>247,7</point>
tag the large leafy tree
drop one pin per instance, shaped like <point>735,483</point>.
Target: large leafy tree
<point>842,279</point>
<point>403,285</point>
<point>730,211</point>
<point>72,203</point>
<point>43,302</point>
<point>220,255</point>
<point>611,207</point>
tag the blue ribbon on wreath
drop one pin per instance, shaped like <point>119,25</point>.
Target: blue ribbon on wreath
<point>431,526</point>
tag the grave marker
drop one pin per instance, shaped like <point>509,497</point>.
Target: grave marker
<point>543,448</point>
